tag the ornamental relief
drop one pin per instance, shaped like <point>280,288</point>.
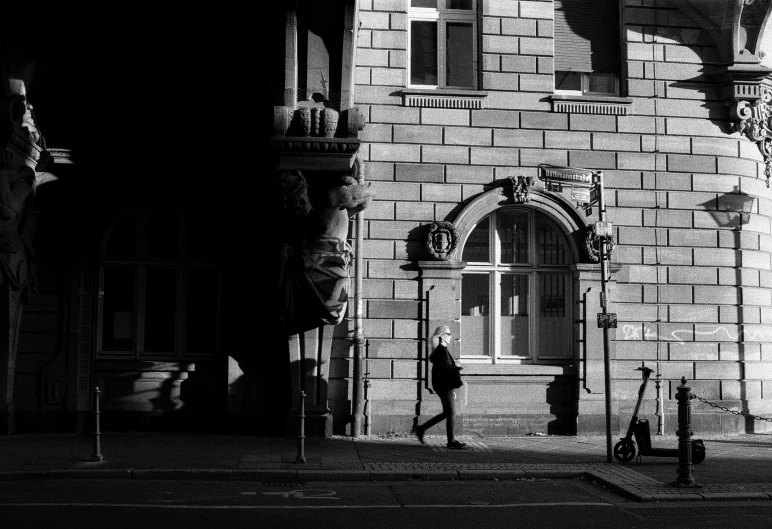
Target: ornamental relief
<point>754,120</point>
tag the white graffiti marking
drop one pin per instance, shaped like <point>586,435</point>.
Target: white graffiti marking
<point>681,336</point>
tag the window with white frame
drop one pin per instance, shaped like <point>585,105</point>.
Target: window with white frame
<point>516,294</point>
<point>587,47</point>
<point>443,43</point>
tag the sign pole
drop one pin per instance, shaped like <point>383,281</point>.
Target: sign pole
<point>604,274</point>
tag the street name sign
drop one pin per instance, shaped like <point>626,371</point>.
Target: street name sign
<point>565,175</point>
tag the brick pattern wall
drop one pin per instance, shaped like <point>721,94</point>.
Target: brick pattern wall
<point>687,197</point>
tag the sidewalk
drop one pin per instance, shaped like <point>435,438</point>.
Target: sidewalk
<point>735,468</point>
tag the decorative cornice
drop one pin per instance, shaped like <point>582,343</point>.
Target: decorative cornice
<point>443,98</point>
<point>614,106</point>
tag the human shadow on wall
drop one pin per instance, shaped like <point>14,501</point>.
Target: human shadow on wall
<point>561,395</point>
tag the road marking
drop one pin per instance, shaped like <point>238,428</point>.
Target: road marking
<point>254,507</point>
<point>320,494</point>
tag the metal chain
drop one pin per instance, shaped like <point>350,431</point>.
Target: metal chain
<point>748,415</point>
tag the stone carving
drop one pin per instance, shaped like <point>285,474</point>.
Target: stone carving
<point>591,245</point>
<point>754,120</point>
<point>518,188</point>
<point>441,240</point>
<point>317,122</point>
<point>316,257</point>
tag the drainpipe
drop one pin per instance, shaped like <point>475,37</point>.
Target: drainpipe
<point>359,338</point>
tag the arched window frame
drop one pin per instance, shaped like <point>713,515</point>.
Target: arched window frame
<point>140,263</point>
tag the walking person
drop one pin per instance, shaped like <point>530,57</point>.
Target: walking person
<point>445,379</point>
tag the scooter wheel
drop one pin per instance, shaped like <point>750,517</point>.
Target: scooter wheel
<point>624,450</point>
<point>698,453</point>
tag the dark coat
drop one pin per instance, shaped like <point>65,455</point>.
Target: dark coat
<point>443,368</point>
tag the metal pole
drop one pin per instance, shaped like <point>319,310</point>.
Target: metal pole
<point>604,274</point>
<point>97,455</point>
<point>660,408</point>
<point>301,458</point>
<point>684,397</point>
<point>359,338</point>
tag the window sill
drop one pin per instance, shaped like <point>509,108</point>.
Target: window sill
<point>443,98</point>
<point>517,369</point>
<point>591,104</point>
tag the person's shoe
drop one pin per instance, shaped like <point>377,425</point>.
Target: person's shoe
<point>419,432</point>
<point>456,445</point>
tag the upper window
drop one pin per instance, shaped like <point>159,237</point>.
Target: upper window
<point>516,295</point>
<point>587,47</point>
<point>443,43</point>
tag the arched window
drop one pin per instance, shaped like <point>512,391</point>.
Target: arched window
<point>159,286</point>
<point>516,293</point>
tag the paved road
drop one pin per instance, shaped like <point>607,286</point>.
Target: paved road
<point>509,504</point>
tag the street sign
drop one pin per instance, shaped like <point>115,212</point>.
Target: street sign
<point>604,229</point>
<point>568,175</point>
<point>607,320</point>
<point>580,194</point>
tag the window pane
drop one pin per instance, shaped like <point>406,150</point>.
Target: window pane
<point>123,238</point>
<point>602,82</point>
<point>162,232</point>
<point>551,248</point>
<point>554,326</point>
<point>568,80</point>
<point>514,315</point>
<point>160,310</point>
<point>432,4</point>
<point>477,246</point>
<point>475,314</point>
<point>118,309</point>
<point>512,230</point>
<point>459,4</point>
<point>460,55</point>
<point>200,242</point>
<point>423,52</point>
<point>201,314</point>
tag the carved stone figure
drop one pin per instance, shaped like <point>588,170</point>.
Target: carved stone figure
<point>441,240</point>
<point>518,188</point>
<point>23,148</point>
<point>316,257</point>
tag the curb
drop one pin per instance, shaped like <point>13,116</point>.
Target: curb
<point>645,491</point>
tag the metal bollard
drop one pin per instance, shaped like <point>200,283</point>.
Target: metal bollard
<point>97,455</point>
<point>301,458</point>
<point>684,397</point>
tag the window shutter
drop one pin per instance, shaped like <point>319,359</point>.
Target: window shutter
<point>587,36</point>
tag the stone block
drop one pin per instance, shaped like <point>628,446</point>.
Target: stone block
<point>495,156</point>
<point>543,121</point>
<point>565,140</point>
<point>444,154</point>
<point>390,40</point>
<point>496,118</point>
<point>518,26</point>
<point>691,164</point>
<point>377,368</point>
<point>394,389</point>
<point>417,134</point>
<point>717,256</point>
<point>491,63</point>
<point>378,249</point>
<point>636,312</point>
<point>593,160</point>
<point>406,290</point>
<point>518,138</point>
<point>636,124</point>
<point>500,81</point>
<point>692,313</point>
<point>721,295</point>
<point>394,349</point>
<point>422,211</point>
<point>503,44</point>
<point>534,157</point>
<point>716,146</point>
<point>536,46</point>
<point>406,369</point>
<point>758,370</point>
<point>468,136</point>
<point>536,82</point>
<point>440,193</point>
<point>387,77</point>
<point>519,64</point>
<point>636,350</point>
<point>692,351</point>
<point>468,174</point>
<point>396,191</point>
<point>636,161</point>
<point>377,329</point>
<point>415,172</point>
<point>396,308</point>
<point>445,116</point>
<point>391,229</point>
<point>407,329</point>
<point>394,114</point>
<point>603,141</point>
<point>692,275</point>
<point>372,57</point>
<point>491,26</point>
<point>738,166</point>
<point>536,9</point>
<point>499,8</point>
<point>702,238</point>
<point>594,123</point>
<point>391,269</point>
<point>393,152</point>
<point>717,370</point>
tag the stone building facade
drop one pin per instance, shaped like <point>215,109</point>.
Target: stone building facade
<point>686,166</point>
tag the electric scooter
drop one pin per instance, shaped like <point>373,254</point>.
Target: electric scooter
<point>624,450</point>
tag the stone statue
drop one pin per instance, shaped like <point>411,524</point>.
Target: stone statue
<point>316,257</point>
